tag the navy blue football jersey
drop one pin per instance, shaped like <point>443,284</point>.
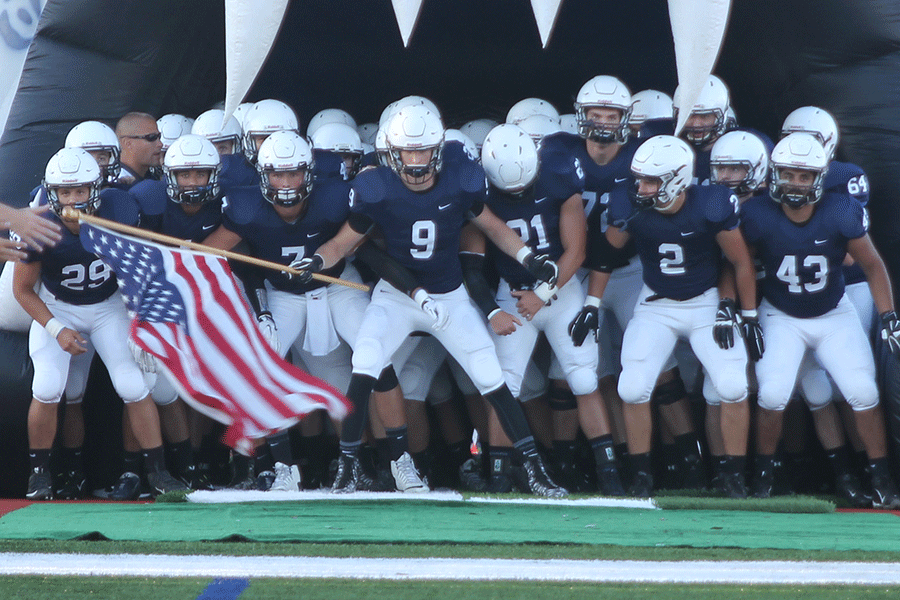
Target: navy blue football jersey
<point>236,172</point>
<point>73,274</point>
<point>537,220</point>
<point>269,237</point>
<point>847,178</point>
<point>803,262</point>
<point>160,214</point>
<point>679,252</point>
<point>422,229</point>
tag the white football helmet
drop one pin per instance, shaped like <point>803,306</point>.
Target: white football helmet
<point>510,159</point>
<point>329,115</point>
<point>603,91</point>
<point>647,105</point>
<point>531,106</point>
<point>241,111</point>
<point>171,127</point>
<point>95,136</point>
<point>669,159</point>
<point>264,118</point>
<point>455,135</point>
<point>209,125</point>
<point>478,129</point>
<point>539,126</point>
<point>415,128</point>
<point>367,132</point>
<point>285,151</point>
<point>798,151</point>
<point>191,152</point>
<point>381,148</point>
<point>740,148</point>
<point>391,109</point>
<point>340,139</point>
<point>714,99</point>
<point>814,121</point>
<point>569,123</point>
<point>731,121</point>
<point>72,167</point>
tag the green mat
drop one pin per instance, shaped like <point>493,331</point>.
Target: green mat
<point>452,522</point>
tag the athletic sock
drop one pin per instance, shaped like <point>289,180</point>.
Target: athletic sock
<point>131,461</point>
<point>181,455</point>
<point>602,446</point>
<point>154,459</point>
<point>39,458</point>
<point>398,441</point>
<point>510,415</point>
<point>355,423</point>
<point>280,448</point>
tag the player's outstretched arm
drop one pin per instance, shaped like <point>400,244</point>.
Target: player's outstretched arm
<point>617,237</point>
<point>864,253</point>
<point>471,257</point>
<point>573,235</point>
<point>341,245</point>
<point>30,226</point>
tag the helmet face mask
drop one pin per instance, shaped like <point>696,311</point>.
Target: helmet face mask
<point>664,165</point>
<point>604,126</point>
<point>191,153</point>
<point>415,144</point>
<point>708,117</point>
<point>289,157</point>
<point>739,160</point>
<point>227,139</point>
<point>797,175</point>
<point>73,169</point>
<point>342,140</point>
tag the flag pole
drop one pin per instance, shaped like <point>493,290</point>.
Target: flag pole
<point>71,213</point>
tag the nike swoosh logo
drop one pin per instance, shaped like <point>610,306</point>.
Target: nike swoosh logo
<point>620,180</point>
<point>820,242</point>
<point>444,207</point>
<point>207,227</point>
<point>540,200</point>
<point>686,233</point>
<point>312,235</point>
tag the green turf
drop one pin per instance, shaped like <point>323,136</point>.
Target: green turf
<point>84,588</point>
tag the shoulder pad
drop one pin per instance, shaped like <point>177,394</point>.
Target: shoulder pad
<point>151,196</point>
<point>472,178</point>
<point>369,187</point>
<point>331,197</point>
<point>242,204</point>
<point>118,205</point>
<point>719,201</point>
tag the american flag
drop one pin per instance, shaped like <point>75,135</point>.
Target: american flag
<point>190,314</point>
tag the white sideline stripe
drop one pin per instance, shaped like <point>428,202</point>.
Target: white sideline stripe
<point>235,496</point>
<point>740,572</point>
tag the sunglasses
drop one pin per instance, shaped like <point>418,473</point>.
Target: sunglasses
<point>150,137</point>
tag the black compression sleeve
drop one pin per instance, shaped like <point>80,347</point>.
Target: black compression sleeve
<point>476,282</point>
<point>387,268</point>
<point>359,223</point>
<point>252,278</point>
<point>475,210</point>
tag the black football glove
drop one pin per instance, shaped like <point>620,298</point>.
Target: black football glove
<point>588,320</point>
<point>890,331</point>
<point>310,265</point>
<point>727,321</point>
<point>753,336</point>
<point>542,268</point>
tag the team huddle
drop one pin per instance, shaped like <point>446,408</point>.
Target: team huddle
<point>563,286</point>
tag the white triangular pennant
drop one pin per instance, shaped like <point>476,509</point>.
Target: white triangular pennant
<point>698,28</point>
<point>545,13</point>
<point>407,13</point>
<point>251,27</point>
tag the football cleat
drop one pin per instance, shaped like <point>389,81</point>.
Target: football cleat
<point>850,489</point>
<point>287,478</point>
<point>692,475</point>
<point>162,482</point>
<point>733,485</point>
<point>71,486</point>
<point>349,475</point>
<point>884,494</point>
<point>265,480</point>
<point>127,487</point>
<point>501,476</point>
<point>539,481</point>
<point>39,485</point>
<point>609,482</point>
<point>406,476</point>
<point>642,486</point>
<point>470,478</point>
<point>196,479</point>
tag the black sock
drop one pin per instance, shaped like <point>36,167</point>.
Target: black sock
<point>839,459</point>
<point>181,455</point>
<point>878,468</point>
<point>621,450</point>
<point>602,446</point>
<point>765,462</point>
<point>687,444</point>
<point>398,441</point>
<point>73,459</point>
<point>131,461</point>
<point>459,453</point>
<point>263,460</point>
<point>154,459</point>
<point>732,465</point>
<point>510,415</point>
<point>640,462</point>
<point>564,452</point>
<point>358,393</point>
<point>280,448</point>
<point>39,459</point>
<point>500,459</point>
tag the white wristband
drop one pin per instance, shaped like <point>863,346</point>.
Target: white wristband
<point>592,301</point>
<point>523,254</point>
<point>54,326</point>
<point>420,297</point>
<point>494,312</point>
<point>545,291</point>
<point>749,314</point>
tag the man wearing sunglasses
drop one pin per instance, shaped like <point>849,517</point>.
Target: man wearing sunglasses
<point>141,147</point>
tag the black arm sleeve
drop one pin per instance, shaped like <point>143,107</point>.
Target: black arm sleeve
<point>386,267</point>
<point>476,209</point>
<point>359,223</point>
<point>252,277</point>
<point>476,282</point>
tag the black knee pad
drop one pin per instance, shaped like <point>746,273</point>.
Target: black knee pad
<point>669,392</point>
<point>387,380</point>
<point>562,398</point>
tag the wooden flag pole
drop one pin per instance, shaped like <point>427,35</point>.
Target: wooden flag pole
<point>71,213</point>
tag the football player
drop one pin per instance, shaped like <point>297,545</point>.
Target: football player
<point>538,194</point>
<point>802,235</point>
<point>76,308</point>
<point>420,204</point>
<point>226,138</point>
<point>681,232</point>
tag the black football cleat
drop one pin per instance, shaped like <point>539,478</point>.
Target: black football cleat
<point>40,486</point>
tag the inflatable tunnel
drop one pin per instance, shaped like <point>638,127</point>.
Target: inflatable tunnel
<point>93,60</point>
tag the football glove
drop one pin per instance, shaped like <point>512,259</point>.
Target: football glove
<point>433,308</point>
<point>542,268</point>
<point>587,321</point>
<point>310,265</point>
<point>890,331</point>
<point>753,335</point>
<point>144,360</point>
<point>269,330</point>
<point>727,321</point>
